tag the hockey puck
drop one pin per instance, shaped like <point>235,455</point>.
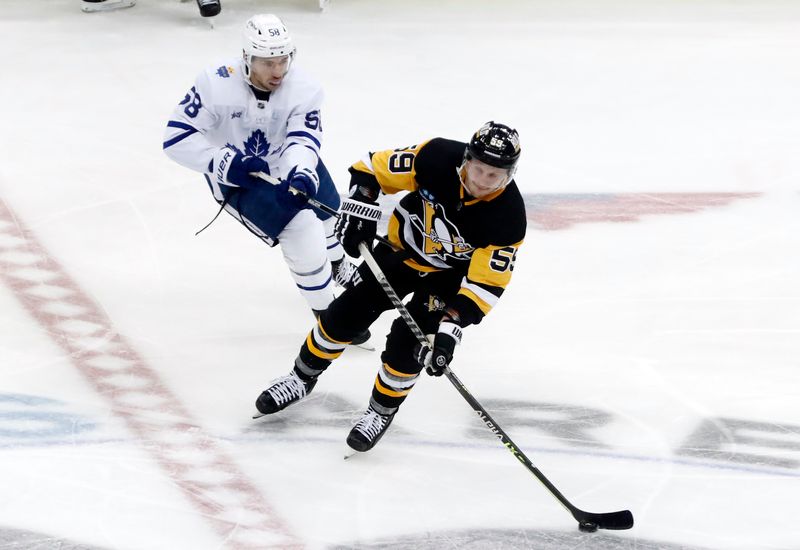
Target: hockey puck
<point>587,527</point>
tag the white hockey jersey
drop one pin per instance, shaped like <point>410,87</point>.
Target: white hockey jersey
<point>221,110</point>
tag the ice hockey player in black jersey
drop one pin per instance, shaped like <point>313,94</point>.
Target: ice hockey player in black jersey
<point>455,237</point>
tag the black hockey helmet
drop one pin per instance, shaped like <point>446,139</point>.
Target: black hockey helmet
<point>496,145</point>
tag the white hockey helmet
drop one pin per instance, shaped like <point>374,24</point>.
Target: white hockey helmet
<point>265,35</point>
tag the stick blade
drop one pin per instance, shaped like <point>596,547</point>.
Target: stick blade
<point>615,521</point>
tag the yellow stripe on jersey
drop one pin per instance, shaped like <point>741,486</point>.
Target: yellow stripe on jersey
<point>484,307</point>
<point>386,391</point>
<point>492,265</point>
<point>393,168</point>
<point>393,232</point>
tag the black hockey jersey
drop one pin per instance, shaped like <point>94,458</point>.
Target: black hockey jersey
<point>443,227</point>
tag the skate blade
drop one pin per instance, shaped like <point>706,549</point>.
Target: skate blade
<point>349,451</point>
<point>258,414</point>
<point>366,346</point>
<point>93,8</point>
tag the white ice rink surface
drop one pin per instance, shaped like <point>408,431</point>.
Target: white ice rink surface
<point>645,356</point>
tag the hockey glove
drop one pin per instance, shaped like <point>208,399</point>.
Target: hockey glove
<point>444,344</point>
<point>299,186</point>
<point>233,169</point>
<point>357,223</point>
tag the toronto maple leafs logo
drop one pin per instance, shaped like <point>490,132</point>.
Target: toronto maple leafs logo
<point>257,144</point>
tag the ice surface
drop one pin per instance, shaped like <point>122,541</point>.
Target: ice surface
<point>645,355</point>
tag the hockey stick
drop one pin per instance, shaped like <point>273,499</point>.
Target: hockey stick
<point>315,203</point>
<point>587,521</point>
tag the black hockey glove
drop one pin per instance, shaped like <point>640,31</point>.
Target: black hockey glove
<point>233,169</point>
<point>444,344</point>
<point>357,223</point>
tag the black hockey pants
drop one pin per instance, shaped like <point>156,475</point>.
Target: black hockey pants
<point>358,307</point>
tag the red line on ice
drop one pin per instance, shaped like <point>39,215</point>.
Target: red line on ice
<point>192,459</point>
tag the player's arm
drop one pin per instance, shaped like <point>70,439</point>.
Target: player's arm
<point>303,138</point>
<point>382,172</point>
<point>386,172</point>
<point>185,139</point>
<point>488,275</point>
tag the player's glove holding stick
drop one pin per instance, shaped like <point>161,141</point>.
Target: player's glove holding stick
<point>299,186</point>
<point>358,222</point>
<point>234,169</point>
<point>444,345</point>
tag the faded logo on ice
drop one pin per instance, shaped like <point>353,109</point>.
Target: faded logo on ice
<point>27,420</point>
<point>553,211</point>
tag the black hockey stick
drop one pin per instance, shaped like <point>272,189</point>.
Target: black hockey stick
<point>321,206</point>
<point>587,521</point>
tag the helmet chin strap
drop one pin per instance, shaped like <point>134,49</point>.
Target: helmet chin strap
<point>461,171</point>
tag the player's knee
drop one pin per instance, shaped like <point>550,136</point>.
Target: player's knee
<point>399,352</point>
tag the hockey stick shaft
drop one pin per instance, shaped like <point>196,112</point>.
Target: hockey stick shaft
<point>321,206</point>
<point>612,520</point>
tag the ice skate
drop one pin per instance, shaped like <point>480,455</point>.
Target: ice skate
<point>283,392</point>
<point>105,5</point>
<point>209,8</point>
<point>368,430</point>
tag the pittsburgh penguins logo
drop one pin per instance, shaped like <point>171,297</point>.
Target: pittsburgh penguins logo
<point>435,303</point>
<point>440,237</point>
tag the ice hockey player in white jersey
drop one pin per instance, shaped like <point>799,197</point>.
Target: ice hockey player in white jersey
<point>261,113</point>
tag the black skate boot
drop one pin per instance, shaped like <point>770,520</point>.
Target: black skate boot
<point>209,8</point>
<point>369,429</point>
<point>283,392</point>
